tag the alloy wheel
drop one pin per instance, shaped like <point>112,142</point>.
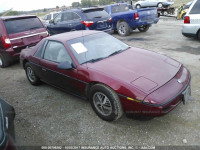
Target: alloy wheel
<point>122,29</point>
<point>30,74</point>
<point>102,104</point>
<point>1,61</point>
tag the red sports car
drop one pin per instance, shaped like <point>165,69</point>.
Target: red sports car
<point>115,78</point>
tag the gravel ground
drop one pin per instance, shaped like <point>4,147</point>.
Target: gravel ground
<point>48,116</point>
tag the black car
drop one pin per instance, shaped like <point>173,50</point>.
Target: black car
<point>7,131</point>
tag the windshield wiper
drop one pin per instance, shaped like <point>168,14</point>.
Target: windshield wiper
<point>119,51</point>
<point>93,60</point>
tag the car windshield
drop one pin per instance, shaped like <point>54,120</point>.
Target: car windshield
<point>22,24</point>
<point>119,8</point>
<point>92,48</point>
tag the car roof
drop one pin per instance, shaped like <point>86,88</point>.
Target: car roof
<point>72,35</point>
<point>82,9</point>
<point>16,17</point>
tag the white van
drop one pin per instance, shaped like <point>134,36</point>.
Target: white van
<point>191,27</point>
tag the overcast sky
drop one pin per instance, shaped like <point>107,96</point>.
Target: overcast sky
<point>25,5</point>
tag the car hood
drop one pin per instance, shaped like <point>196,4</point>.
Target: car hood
<point>145,70</point>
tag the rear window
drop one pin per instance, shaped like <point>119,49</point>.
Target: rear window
<point>119,8</point>
<point>196,8</point>
<point>21,25</point>
<point>99,13</point>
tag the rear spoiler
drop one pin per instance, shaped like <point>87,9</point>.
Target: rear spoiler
<point>17,17</point>
<point>85,10</point>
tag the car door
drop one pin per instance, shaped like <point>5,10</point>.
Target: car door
<point>55,53</point>
<point>55,26</point>
<point>73,21</point>
<point>144,3</point>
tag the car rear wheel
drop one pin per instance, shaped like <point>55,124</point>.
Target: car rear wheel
<point>143,28</point>
<point>160,5</point>
<point>198,36</point>
<point>105,102</point>
<point>3,61</point>
<point>138,6</point>
<point>123,28</point>
<point>33,79</point>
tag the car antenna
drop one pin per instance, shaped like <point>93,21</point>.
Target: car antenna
<point>85,52</point>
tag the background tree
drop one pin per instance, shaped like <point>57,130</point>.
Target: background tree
<point>76,4</point>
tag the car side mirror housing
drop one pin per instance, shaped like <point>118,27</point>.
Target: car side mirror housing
<point>51,21</point>
<point>65,65</point>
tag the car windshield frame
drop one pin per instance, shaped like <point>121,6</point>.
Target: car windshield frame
<point>92,52</point>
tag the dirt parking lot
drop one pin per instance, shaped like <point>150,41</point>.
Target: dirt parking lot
<point>48,116</point>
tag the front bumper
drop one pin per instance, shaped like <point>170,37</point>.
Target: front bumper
<point>172,88</point>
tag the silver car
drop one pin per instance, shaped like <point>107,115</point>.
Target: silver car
<point>191,27</point>
<point>152,3</point>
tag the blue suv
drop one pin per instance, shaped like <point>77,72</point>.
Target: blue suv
<point>81,19</point>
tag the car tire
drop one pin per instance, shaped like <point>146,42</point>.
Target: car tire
<point>143,28</point>
<point>33,79</point>
<point>105,102</point>
<point>198,35</point>
<point>123,28</point>
<point>3,61</point>
<point>160,5</point>
<point>165,13</point>
<point>138,6</point>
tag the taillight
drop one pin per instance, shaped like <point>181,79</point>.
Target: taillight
<point>187,20</point>
<point>110,20</point>
<point>87,23</point>
<point>6,42</point>
<point>136,16</point>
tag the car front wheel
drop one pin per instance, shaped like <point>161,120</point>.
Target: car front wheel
<point>33,79</point>
<point>105,102</point>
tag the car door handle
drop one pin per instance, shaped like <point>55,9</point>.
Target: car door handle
<point>44,69</point>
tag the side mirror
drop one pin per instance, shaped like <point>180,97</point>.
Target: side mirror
<point>51,21</point>
<point>65,65</point>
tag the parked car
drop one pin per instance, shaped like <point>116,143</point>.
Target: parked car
<point>115,78</point>
<point>16,33</point>
<point>80,19</point>
<point>191,27</point>
<point>124,19</point>
<point>152,3</point>
<point>7,131</point>
<point>48,17</point>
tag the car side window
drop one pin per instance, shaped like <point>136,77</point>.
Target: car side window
<point>49,17</point>
<point>75,16</point>
<point>39,52</point>
<point>67,16</point>
<point>58,18</point>
<point>56,52</point>
<point>196,8</point>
